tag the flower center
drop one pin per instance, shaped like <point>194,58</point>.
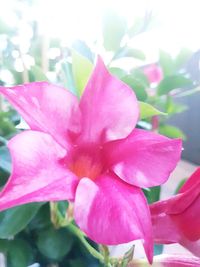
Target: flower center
<point>84,166</point>
<point>86,162</point>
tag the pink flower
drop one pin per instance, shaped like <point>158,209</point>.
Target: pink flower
<point>180,217</point>
<point>153,73</point>
<point>88,152</point>
<point>168,261</point>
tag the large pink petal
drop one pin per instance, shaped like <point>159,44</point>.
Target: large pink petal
<point>37,173</point>
<point>167,229</point>
<point>112,212</point>
<point>109,107</point>
<point>164,260</point>
<point>144,158</point>
<point>46,107</point>
<point>193,181</point>
<point>180,217</point>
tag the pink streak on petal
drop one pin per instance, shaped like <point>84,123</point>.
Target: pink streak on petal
<point>37,173</point>
<point>109,107</point>
<point>144,158</point>
<point>46,107</point>
<point>112,212</point>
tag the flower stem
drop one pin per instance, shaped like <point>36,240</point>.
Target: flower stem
<point>73,229</point>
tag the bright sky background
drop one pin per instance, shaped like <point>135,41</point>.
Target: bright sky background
<point>178,25</point>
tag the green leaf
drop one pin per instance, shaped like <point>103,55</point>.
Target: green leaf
<point>171,131</point>
<point>36,74</point>
<point>137,86</point>
<point>6,125</point>
<point>42,219</point>
<point>81,69</point>
<point>139,75</point>
<point>77,263</point>
<point>130,52</point>
<point>153,194</point>
<point>181,183</point>
<point>173,82</point>
<point>114,28</point>
<point>14,220</point>
<point>54,244</point>
<point>5,160</point>
<point>147,111</point>
<point>166,63</point>
<point>3,245</point>
<point>119,73</point>
<point>19,253</point>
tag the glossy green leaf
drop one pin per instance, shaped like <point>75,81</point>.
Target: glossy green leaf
<point>119,73</point>
<point>54,244</point>
<point>171,131</point>
<point>19,253</point>
<point>130,52</point>
<point>81,69</point>
<point>5,160</point>
<point>166,63</point>
<point>147,111</point>
<point>137,86</point>
<point>14,220</point>
<point>173,82</point>
<point>114,28</point>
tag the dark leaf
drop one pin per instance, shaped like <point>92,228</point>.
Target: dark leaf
<point>54,244</point>
<point>14,220</point>
<point>19,253</point>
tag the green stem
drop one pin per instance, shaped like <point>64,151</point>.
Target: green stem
<point>82,238</point>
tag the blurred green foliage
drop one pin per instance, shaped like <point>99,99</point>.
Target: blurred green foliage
<point>26,232</point>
